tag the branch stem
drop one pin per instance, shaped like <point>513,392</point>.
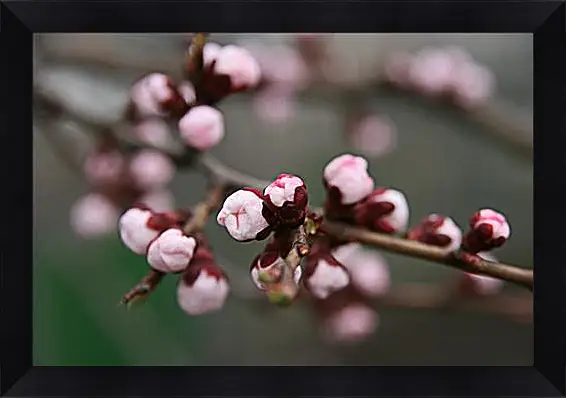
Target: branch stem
<point>469,263</point>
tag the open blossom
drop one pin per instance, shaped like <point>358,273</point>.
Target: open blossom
<point>151,169</point>
<point>105,167</point>
<point>93,215</point>
<point>349,174</point>
<point>489,229</point>
<point>476,284</point>
<point>202,127</point>
<point>352,323</point>
<point>242,216</point>
<point>150,94</point>
<point>135,230</point>
<point>385,210</point>
<point>239,64</point>
<point>369,271</point>
<point>171,252</point>
<point>324,275</point>
<point>437,230</point>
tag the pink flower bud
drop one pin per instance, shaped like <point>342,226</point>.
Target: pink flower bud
<point>283,65</point>
<point>151,169</point>
<point>152,131</point>
<point>285,188</point>
<point>373,135</point>
<point>209,52</point>
<point>242,215</point>
<point>187,92</point>
<point>105,167</point>
<point>472,85</point>
<point>93,215</point>
<point>171,252</point>
<point>397,69</point>
<point>239,64</point>
<point>158,200</point>
<point>202,290</point>
<point>349,174</point>
<point>437,230</point>
<point>369,271</point>
<point>352,323</point>
<point>324,276</point>
<point>135,231</point>
<point>432,71</point>
<point>489,229</point>
<point>274,104</point>
<point>475,284</point>
<point>202,127</point>
<point>287,196</point>
<point>385,210</point>
<point>150,94</point>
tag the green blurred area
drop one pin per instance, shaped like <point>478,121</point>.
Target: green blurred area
<point>443,163</point>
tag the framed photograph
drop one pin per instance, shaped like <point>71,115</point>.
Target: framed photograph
<point>283,199</point>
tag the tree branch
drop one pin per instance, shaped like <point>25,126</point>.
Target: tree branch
<point>465,262</point>
<point>462,261</point>
<point>519,307</point>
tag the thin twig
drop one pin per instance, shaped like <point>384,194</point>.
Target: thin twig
<point>215,168</point>
<point>203,210</point>
<point>285,290</point>
<point>470,263</point>
<point>415,249</point>
<point>519,307</point>
<point>145,287</point>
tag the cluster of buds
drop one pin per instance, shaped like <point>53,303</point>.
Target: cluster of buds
<point>353,198</point>
<point>250,214</point>
<point>225,70</point>
<point>340,277</point>
<point>190,103</point>
<point>347,315</point>
<point>203,286</point>
<point>118,180</point>
<point>442,72</point>
<point>155,99</point>
<point>488,230</point>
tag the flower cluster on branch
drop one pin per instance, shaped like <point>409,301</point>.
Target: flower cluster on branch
<point>320,255</point>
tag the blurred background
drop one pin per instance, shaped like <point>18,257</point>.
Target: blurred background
<point>444,159</point>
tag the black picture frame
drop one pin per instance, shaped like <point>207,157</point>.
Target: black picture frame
<point>20,19</point>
